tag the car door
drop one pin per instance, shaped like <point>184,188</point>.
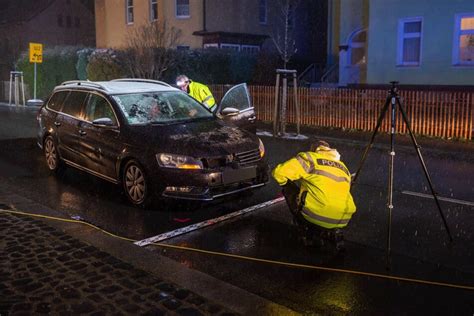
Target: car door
<point>99,136</point>
<point>236,108</point>
<point>67,124</point>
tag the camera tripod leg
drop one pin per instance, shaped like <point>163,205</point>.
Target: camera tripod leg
<point>377,126</point>
<point>425,170</point>
<point>393,123</point>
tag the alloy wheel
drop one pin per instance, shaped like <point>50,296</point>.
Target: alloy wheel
<point>51,154</point>
<point>135,183</point>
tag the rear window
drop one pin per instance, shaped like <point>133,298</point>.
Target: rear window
<point>56,101</point>
<point>73,103</point>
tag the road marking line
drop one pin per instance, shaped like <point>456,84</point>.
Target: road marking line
<point>209,222</point>
<point>430,196</point>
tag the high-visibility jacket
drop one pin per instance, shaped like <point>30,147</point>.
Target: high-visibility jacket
<point>326,181</point>
<point>202,93</point>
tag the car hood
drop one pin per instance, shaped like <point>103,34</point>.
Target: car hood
<point>206,138</point>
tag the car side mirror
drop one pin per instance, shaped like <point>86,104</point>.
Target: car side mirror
<point>103,121</point>
<point>230,111</point>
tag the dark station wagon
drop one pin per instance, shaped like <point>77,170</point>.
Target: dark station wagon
<point>153,139</point>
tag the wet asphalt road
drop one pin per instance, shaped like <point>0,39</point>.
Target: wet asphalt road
<point>419,241</point>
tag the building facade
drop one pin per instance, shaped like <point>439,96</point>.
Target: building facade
<point>49,22</point>
<point>243,25</point>
<point>424,42</point>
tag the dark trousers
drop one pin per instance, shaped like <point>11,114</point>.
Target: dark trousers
<point>309,230</point>
<point>291,191</point>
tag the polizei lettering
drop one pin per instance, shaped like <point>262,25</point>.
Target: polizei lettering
<point>331,163</point>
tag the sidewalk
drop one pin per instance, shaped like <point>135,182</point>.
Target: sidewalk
<point>56,267</point>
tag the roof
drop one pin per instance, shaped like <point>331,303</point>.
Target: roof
<point>119,86</point>
<point>18,11</point>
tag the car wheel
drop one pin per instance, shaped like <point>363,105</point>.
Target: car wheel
<point>135,183</point>
<point>51,154</point>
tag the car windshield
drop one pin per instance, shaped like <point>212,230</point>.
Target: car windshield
<point>160,107</point>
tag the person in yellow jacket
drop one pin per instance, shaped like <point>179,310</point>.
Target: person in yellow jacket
<point>321,202</point>
<point>197,90</point>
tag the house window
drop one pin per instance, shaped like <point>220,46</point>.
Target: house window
<point>60,20</point>
<point>235,47</point>
<point>182,8</point>
<point>356,52</point>
<point>129,11</point>
<point>409,42</point>
<point>262,12</point>
<point>68,21</point>
<point>153,10</point>
<point>463,49</point>
<point>211,45</point>
<point>77,22</point>
<point>251,49</point>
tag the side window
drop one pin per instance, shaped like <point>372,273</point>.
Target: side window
<point>56,101</point>
<point>73,103</point>
<point>98,107</point>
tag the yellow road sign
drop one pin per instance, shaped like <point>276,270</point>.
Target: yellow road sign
<point>36,53</point>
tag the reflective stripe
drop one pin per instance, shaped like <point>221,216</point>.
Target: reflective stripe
<point>303,164</point>
<point>206,98</point>
<point>212,107</point>
<point>311,162</point>
<point>320,218</point>
<point>329,175</point>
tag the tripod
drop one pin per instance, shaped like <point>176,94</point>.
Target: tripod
<point>393,99</point>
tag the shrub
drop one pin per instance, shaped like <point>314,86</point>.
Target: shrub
<point>82,62</point>
<point>105,64</point>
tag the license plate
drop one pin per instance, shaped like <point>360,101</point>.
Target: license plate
<point>236,175</point>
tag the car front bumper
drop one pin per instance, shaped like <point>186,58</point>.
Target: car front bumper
<point>207,185</point>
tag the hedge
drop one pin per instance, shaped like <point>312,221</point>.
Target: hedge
<point>59,65</point>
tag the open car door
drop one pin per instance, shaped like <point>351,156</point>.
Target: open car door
<point>236,108</point>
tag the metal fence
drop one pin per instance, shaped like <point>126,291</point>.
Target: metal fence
<point>431,113</point>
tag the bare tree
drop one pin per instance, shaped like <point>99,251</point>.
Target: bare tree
<point>284,34</point>
<point>148,52</point>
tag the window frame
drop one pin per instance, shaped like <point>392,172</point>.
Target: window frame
<point>178,16</point>
<point>252,49</point>
<point>456,39</point>
<point>234,47</point>
<point>210,45</point>
<point>86,103</point>
<point>355,44</point>
<point>153,3</point>
<point>128,6</point>
<point>402,36</point>
<point>263,5</point>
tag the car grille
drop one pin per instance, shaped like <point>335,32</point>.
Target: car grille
<point>247,157</point>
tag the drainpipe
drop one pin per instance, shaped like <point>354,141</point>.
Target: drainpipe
<point>204,15</point>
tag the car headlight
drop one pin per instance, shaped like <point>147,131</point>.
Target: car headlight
<point>261,148</point>
<point>178,161</point>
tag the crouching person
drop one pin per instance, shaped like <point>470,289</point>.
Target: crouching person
<point>316,186</point>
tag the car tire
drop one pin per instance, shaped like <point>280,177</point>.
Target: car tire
<point>51,154</point>
<point>135,184</point>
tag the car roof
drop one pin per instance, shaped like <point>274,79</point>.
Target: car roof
<point>118,86</point>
